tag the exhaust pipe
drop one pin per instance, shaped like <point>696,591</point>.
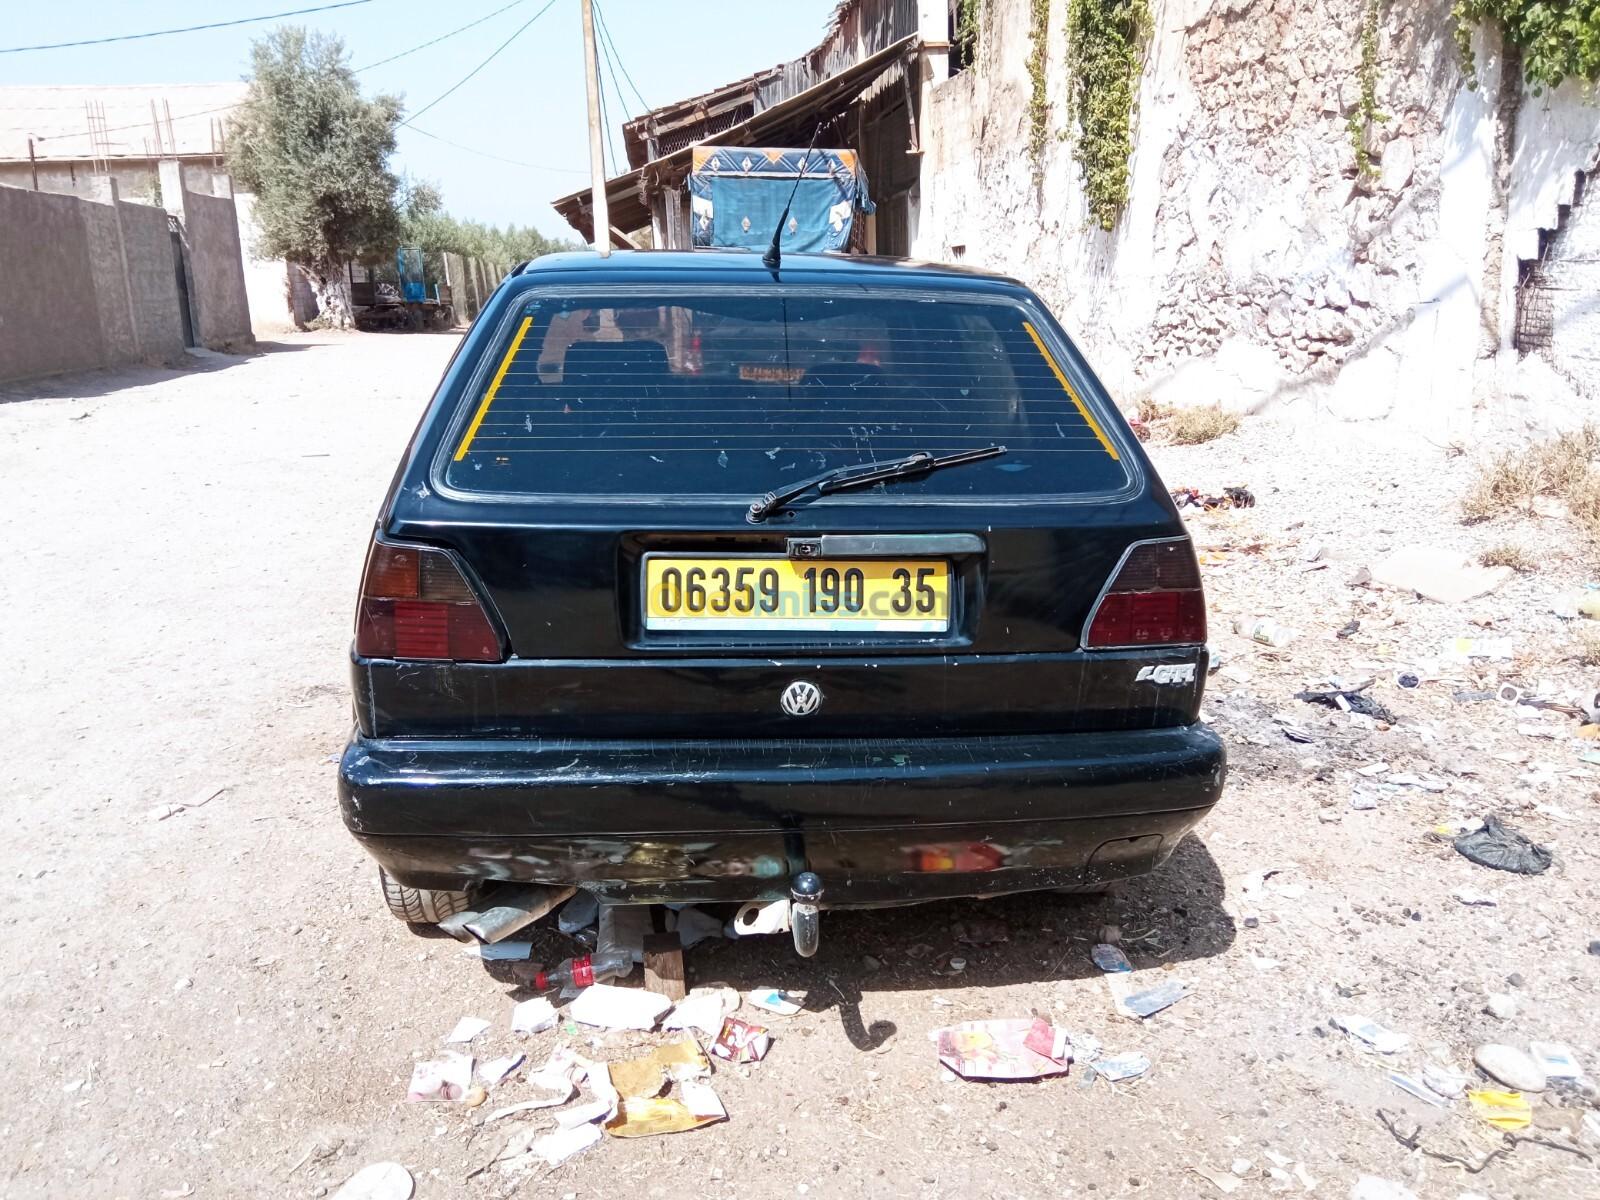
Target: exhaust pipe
<point>513,907</point>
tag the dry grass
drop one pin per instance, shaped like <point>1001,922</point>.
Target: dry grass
<point>1183,426</point>
<point>1192,426</point>
<point>1564,469</point>
<point>1148,410</point>
<point>1509,554</point>
<point>1588,646</point>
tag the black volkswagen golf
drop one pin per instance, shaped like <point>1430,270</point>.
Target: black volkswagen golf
<point>702,581</point>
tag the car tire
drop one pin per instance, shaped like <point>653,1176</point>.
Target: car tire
<point>421,906</point>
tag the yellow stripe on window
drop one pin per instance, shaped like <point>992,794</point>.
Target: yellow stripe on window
<point>1083,410</point>
<point>494,386</point>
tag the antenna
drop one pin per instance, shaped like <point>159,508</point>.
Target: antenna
<point>774,255</point>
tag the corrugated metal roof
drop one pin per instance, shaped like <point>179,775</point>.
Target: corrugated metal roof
<point>857,30</point>
<point>625,193</point>
<point>134,121</point>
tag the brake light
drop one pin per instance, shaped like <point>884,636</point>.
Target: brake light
<point>415,604</point>
<point>1153,600</point>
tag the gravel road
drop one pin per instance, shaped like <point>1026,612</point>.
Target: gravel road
<point>215,1004</point>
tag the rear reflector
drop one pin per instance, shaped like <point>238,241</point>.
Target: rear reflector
<point>415,604</point>
<point>1154,600</point>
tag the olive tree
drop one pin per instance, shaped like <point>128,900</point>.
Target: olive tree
<point>316,154</point>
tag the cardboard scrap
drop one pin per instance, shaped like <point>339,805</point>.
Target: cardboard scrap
<point>447,1078</point>
<point>997,1050</point>
<point>1445,576</point>
<point>555,1148</point>
<point>704,1008</point>
<point>694,1105</point>
<point>646,1076</point>
<point>610,1007</point>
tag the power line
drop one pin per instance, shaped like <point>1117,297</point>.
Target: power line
<point>206,112</point>
<point>441,37</point>
<point>452,88</point>
<point>611,66</point>
<point>134,37</point>
<point>606,33</point>
<point>605,118</point>
<point>516,162</point>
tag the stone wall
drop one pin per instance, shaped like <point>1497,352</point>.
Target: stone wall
<point>1255,264</point>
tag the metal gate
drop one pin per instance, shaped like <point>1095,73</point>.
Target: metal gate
<point>181,277</point>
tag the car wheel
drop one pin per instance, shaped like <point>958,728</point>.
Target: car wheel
<point>421,906</point>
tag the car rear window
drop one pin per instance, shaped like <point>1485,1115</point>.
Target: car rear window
<point>737,394</point>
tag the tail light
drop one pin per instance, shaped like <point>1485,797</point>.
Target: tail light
<point>1154,599</point>
<point>415,604</point>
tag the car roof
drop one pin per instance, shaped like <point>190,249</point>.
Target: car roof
<point>745,266</point>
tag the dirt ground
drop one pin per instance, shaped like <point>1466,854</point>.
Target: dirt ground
<point>215,1004</point>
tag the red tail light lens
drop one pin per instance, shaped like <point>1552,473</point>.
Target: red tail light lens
<point>415,604</point>
<point>1154,600</point>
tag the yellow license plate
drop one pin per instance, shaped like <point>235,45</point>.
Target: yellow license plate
<point>759,592</point>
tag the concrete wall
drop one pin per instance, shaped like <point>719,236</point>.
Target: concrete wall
<point>218,298</point>
<point>85,285</point>
<point>279,297</point>
<point>138,179</point>
<point>1253,265</point>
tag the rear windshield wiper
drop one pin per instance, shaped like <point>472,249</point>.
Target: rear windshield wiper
<point>857,475</point>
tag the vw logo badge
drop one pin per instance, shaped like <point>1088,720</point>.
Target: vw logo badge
<point>801,698</point>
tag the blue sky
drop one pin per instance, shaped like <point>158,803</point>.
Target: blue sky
<point>528,104</point>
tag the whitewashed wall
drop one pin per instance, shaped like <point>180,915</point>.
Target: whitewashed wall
<point>1253,266</point>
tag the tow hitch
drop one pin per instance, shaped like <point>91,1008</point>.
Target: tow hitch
<point>800,915</point>
<point>805,918</point>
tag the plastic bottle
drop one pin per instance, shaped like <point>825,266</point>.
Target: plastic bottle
<point>1265,631</point>
<point>581,972</point>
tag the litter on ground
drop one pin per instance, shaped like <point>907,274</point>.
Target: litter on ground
<point>1365,1029</point>
<point>466,1029</point>
<point>777,1000</point>
<point>447,1078</point>
<point>741,1042</point>
<point>609,1007</point>
<point>997,1050</point>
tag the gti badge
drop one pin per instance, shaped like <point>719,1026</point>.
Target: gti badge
<point>1166,673</point>
<point>802,698</point>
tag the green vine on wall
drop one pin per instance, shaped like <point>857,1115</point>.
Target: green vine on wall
<point>1558,41</point>
<point>1365,114</point>
<point>964,45</point>
<point>1039,98</point>
<point>1105,55</point>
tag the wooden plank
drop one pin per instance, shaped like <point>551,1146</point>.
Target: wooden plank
<point>663,965</point>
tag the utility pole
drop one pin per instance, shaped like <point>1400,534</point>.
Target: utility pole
<point>597,158</point>
<point>34,162</point>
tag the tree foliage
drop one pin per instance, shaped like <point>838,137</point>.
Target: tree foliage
<point>425,223</point>
<point>316,154</point>
<point>1558,39</point>
<point>1105,55</point>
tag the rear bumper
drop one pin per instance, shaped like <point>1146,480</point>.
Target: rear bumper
<point>880,821</point>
